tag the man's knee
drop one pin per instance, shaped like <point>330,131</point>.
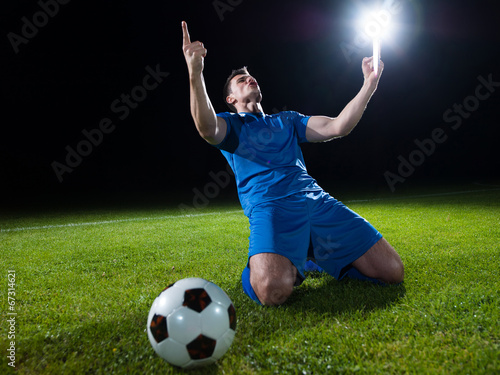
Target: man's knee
<point>273,291</point>
<point>397,273</point>
<point>381,262</point>
<point>272,278</point>
<point>394,270</point>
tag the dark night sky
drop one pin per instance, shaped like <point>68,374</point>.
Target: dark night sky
<point>66,76</point>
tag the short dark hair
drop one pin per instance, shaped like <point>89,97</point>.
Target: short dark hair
<point>227,86</point>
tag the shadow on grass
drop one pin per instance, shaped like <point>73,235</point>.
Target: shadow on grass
<point>322,294</point>
<point>105,346</point>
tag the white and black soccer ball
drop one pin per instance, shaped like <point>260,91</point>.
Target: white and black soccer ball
<point>191,323</point>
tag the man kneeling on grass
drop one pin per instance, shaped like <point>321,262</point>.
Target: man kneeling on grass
<point>292,219</point>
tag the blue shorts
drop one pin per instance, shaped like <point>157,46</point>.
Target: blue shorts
<point>309,225</point>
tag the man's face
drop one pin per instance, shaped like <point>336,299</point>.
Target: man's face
<point>244,88</point>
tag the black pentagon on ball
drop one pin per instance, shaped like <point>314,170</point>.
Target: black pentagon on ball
<point>159,328</point>
<point>232,317</point>
<point>201,347</point>
<point>196,299</point>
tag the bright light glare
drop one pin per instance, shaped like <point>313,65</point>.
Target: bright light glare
<point>376,24</point>
<point>376,55</point>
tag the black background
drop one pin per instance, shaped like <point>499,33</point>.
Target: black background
<point>64,79</point>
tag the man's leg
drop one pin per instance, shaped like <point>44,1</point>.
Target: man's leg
<point>381,262</point>
<point>272,277</point>
<point>344,241</point>
<point>279,238</point>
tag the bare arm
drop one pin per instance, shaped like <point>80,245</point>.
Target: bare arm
<point>209,126</point>
<point>322,128</point>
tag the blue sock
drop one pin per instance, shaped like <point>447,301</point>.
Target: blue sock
<point>247,287</point>
<point>310,266</point>
<point>353,273</point>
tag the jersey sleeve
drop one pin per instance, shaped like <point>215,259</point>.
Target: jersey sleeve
<point>230,141</point>
<point>300,123</point>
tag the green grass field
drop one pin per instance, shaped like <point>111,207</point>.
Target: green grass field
<point>85,280</point>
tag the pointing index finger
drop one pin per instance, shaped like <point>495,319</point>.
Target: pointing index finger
<point>185,33</point>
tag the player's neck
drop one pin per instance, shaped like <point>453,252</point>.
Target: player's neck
<point>250,107</point>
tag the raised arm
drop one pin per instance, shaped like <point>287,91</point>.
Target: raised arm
<point>322,128</point>
<point>211,128</point>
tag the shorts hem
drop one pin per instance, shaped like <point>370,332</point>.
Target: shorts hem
<point>338,274</point>
<point>272,251</point>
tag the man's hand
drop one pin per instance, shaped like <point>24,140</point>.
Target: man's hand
<point>369,73</point>
<point>193,52</point>
<point>210,127</point>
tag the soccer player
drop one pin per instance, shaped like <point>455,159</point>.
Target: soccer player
<point>292,219</point>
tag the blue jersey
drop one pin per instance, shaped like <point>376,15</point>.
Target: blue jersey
<point>264,154</point>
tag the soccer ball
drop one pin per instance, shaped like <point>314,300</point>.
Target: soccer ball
<point>191,323</point>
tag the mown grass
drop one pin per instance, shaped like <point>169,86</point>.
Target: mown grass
<point>83,292</point>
